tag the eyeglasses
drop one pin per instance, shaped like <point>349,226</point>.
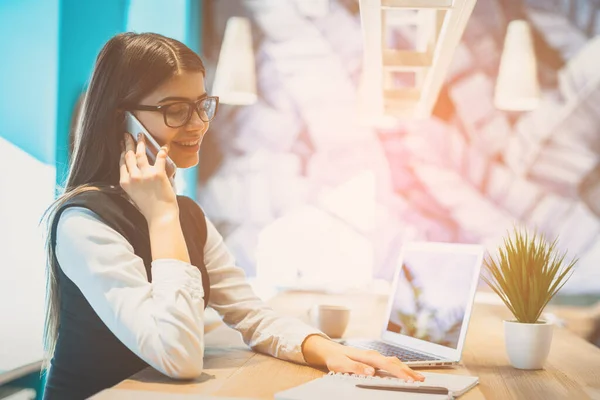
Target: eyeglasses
<point>179,113</point>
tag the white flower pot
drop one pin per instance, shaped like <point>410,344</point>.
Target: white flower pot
<point>527,345</point>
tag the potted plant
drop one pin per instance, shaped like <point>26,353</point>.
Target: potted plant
<point>527,272</point>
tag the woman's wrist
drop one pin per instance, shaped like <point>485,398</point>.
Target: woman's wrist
<point>315,349</point>
<point>164,218</point>
<point>167,239</point>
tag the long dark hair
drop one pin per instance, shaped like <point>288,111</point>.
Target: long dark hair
<point>129,67</point>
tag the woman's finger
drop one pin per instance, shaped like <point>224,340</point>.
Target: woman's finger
<point>130,159</point>
<point>347,365</point>
<point>405,369</point>
<point>390,364</point>
<point>124,174</point>
<point>161,158</point>
<point>140,152</point>
<point>129,143</point>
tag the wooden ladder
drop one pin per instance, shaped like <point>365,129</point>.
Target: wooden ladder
<point>405,83</point>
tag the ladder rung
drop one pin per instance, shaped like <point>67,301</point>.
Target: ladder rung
<point>396,17</point>
<point>403,110</point>
<point>401,95</point>
<point>403,59</point>
<point>437,4</point>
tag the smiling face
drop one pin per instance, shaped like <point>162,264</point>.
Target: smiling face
<point>184,142</point>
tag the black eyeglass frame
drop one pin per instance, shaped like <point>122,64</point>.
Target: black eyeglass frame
<point>194,106</point>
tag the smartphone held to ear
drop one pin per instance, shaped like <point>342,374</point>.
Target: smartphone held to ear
<point>134,126</point>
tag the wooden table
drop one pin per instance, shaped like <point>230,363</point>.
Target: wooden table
<point>231,369</point>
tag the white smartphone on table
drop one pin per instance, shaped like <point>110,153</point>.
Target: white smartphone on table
<point>134,126</point>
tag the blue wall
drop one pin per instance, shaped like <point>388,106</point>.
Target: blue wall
<point>84,28</point>
<point>28,75</point>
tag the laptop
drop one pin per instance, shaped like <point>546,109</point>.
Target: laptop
<point>430,304</point>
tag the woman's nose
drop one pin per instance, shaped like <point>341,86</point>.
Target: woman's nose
<point>196,122</point>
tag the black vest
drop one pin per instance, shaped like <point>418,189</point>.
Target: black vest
<point>88,356</point>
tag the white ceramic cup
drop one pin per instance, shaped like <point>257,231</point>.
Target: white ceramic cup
<point>330,319</point>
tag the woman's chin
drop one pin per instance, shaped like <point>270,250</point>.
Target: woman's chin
<point>187,162</point>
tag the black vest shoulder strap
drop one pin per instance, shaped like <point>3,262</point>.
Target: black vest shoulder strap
<point>193,224</point>
<point>120,214</point>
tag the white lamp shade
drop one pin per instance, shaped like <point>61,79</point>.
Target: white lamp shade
<point>517,86</point>
<point>235,77</point>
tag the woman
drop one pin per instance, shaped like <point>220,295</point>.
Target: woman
<point>131,265</point>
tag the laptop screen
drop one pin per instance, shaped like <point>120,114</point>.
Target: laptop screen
<point>432,294</point>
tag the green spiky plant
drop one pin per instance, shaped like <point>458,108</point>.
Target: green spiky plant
<point>527,272</point>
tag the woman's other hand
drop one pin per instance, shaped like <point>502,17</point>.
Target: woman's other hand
<point>147,185</point>
<point>321,352</point>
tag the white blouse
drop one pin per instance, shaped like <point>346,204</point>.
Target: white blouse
<point>163,321</point>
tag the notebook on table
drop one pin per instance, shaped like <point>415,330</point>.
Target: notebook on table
<point>343,386</point>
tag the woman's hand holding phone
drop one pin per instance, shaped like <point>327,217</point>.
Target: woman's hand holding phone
<point>151,191</point>
<point>147,185</point>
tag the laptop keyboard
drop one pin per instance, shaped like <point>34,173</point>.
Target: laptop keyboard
<point>389,350</point>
